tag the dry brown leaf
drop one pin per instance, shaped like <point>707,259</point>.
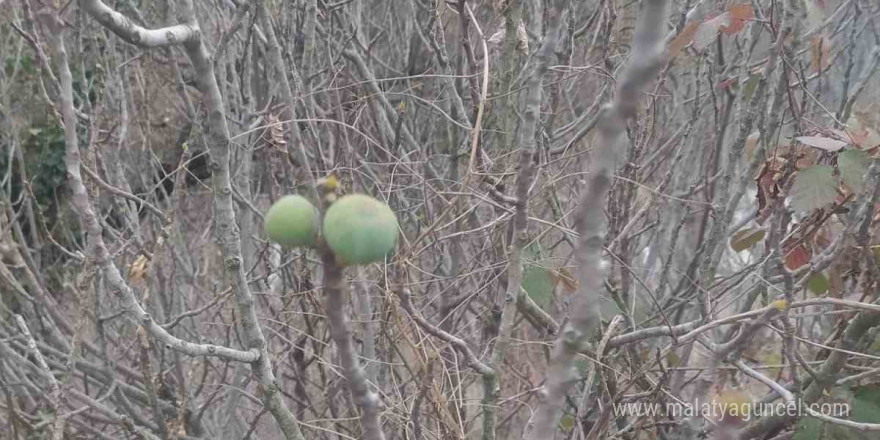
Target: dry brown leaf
<point>569,283</point>
<point>708,31</point>
<point>806,159</point>
<point>137,270</point>
<point>276,133</point>
<point>142,338</point>
<point>522,38</point>
<point>767,181</point>
<point>820,52</point>
<point>724,85</point>
<point>746,238</point>
<point>796,257</point>
<point>702,34</point>
<point>683,38</point>
<point>751,145</point>
<point>862,128</point>
<point>835,280</point>
<point>822,143</point>
<point>737,16</point>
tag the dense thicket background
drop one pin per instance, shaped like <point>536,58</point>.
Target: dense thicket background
<point>600,202</point>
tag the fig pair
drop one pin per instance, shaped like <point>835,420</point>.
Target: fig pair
<point>358,228</point>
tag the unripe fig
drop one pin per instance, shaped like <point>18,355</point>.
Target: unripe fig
<point>360,229</point>
<point>292,221</point>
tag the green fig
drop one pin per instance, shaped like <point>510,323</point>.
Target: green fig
<point>292,221</point>
<point>360,229</point>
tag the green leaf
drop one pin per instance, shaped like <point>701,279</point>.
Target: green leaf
<point>672,359</point>
<point>538,283</point>
<point>746,238</point>
<point>814,187</point>
<point>750,86</point>
<point>866,405</point>
<point>582,365</point>
<point>566,422</point>
<point>875,346</point>
<point>818,283</point>
<point>853,165</point>
<point>808,428</point>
